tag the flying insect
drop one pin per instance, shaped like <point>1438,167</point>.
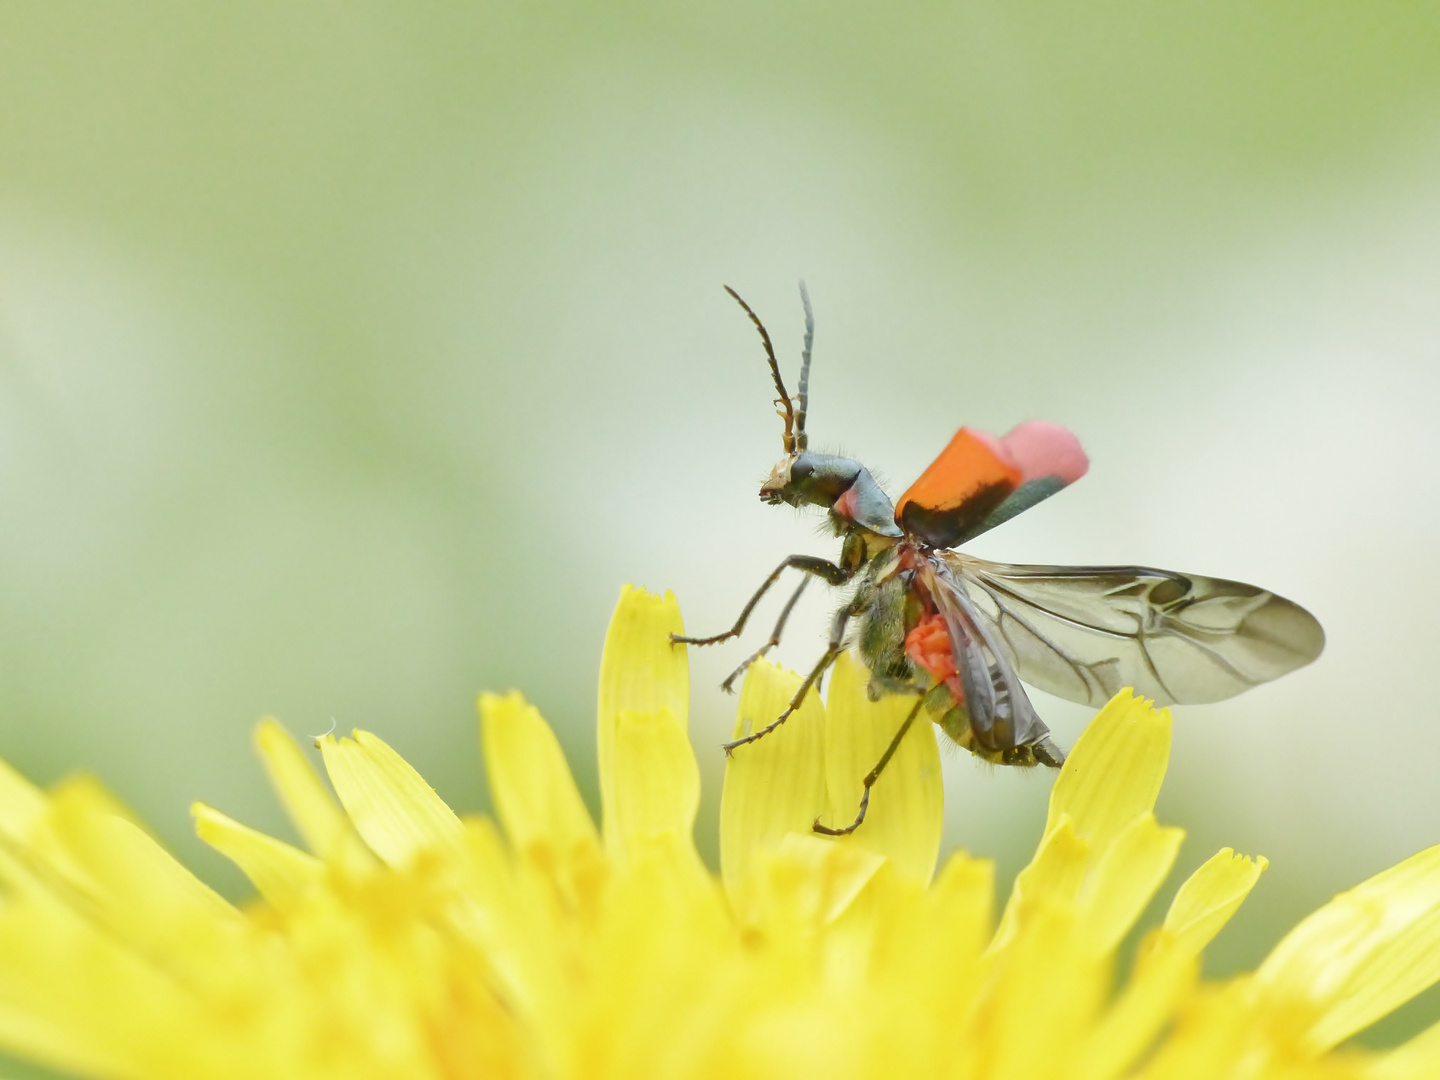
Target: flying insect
<point>962,633</point>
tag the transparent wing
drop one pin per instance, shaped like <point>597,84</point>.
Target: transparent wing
<point>1001,715</point>
<point>1084,632</point>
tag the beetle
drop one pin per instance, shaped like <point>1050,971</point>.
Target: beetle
<point>961,633</point>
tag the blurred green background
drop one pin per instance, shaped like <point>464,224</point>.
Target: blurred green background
<point>353,355</point>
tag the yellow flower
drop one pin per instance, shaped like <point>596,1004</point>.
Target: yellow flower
<point>407,942</point>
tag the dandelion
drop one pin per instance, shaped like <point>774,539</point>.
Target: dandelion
<point>404,941</point>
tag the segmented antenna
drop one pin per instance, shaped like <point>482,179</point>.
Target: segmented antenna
<point>803,398</point>
<point>788,415</point>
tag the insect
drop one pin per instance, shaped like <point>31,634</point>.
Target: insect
<point>961,633</point>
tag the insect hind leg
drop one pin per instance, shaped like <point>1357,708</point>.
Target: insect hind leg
<point>872,776</point>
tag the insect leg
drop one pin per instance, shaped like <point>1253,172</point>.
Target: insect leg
<point>729,684</point>
<point>809,564</point>
<point>837,646</point>
<point>872,776</point>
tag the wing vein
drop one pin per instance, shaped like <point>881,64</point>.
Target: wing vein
<point>1085,632</point>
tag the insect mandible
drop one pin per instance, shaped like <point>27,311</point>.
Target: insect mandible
<point>961,633</point>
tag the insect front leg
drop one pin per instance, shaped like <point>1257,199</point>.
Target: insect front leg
<point>837,646</point>
<point>872,776</point>
<point>729,684</point>
<point>809,564</point>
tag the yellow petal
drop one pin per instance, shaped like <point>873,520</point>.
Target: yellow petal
<point>83,789</point>
<point>70,804</point>
<point>1413,1060</point>
<point>1210,896</point>
<point>776,785</point>
<point>21,803</point>
<point>907,802</point>
<point>1113,774</point>
<point>535,795</point>
<point>929,943</point>
<point>659,956</point>
<point>1056,874</point>
<point>1126,877</point>
<point>310,807</point>
<point>1046,993</point>
<point>145,894</point>
<point>640,672</point>
<point>279,871</point>
<point>963,895</point>
<point>521,933</point>
<point>1163,973</point>
<point>82,999</point>
<point>806,883</point>
<point>394,810</point>
<point>657,783</point>
<point>1366,952</point>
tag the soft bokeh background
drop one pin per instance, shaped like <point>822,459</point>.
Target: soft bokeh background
<point>353,355</point>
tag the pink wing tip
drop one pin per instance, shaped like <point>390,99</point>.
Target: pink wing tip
<point>1043,449</point>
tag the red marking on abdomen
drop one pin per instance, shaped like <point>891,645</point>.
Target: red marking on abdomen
<point>929,646</point>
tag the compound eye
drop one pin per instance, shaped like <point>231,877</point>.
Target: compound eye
<point>801,468</point>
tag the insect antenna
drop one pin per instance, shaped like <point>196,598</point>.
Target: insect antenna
<point>803,398</point>
<point>784,399</point>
